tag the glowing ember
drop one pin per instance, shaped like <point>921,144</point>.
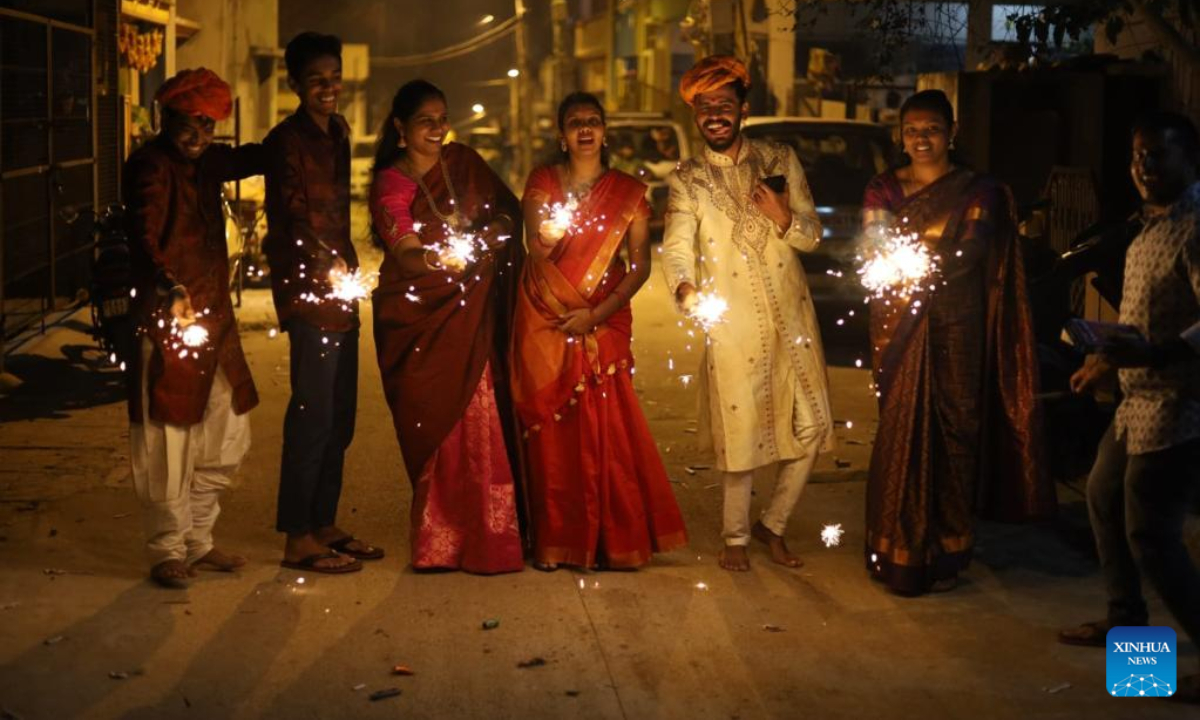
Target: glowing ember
<point>897,264</point>
<point>831,535</point>
<point>351,286</point>
<point>709,310</point>
<point>560,219</point>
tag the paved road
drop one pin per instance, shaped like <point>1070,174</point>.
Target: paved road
<point>680,639</point>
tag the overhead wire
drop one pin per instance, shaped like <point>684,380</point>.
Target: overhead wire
<point>450,52</point>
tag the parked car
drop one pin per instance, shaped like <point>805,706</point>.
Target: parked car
<point>648,146</point>
<point>362,156</point>
<point>839,158</point>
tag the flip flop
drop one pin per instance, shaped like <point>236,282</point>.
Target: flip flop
<point>341,546</point>
<point>309,564</point>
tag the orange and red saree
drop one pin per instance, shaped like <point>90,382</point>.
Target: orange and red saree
<point>956,375</point>
<point>598,491</point>
<point>442,345</point>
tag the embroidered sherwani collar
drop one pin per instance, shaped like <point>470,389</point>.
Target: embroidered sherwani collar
<point>722,160</point>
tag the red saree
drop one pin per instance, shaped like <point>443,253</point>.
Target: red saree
<point>441,342</point>
<point>598,491</point>
<point>959,428</point>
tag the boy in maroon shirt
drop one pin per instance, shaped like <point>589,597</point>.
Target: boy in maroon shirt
<point>308,215</point>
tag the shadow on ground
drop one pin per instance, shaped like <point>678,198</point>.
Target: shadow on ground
<point>52,387</point>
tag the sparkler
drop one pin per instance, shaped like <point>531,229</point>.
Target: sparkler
<point>194,336</point>
<point>897,264</point>
<point>459,250</point>
<point>708,311</point>
<point>351,286</point>
<point>560,220</point>
<point>831,535</point>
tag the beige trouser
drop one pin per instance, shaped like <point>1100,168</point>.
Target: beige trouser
<point>791,477</point>
<point>180,471</point>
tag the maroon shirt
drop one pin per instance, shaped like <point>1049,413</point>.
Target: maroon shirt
<point>176,232</point>
<point>308,206</point>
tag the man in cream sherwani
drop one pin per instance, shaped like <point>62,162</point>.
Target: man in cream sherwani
<point>764,392</point>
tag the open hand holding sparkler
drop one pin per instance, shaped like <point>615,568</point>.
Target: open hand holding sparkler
<point>896,263</point>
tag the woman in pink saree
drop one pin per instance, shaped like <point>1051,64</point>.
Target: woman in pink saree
<point>441,333</point>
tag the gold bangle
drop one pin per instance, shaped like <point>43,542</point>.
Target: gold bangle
<point>436,264</point>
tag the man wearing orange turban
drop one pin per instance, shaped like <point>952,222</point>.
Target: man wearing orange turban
<point>713,72</point>
<point>199,92</point>
<point>188,400</point>
<point>737,214</point>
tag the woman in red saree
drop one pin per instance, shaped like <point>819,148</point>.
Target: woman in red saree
<point>955,370</point>
<point>442,322</point>
<point>598,491</point>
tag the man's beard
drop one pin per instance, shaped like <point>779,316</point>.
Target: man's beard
<point>723,145</point>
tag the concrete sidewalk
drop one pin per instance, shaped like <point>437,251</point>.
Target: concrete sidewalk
<point>83,634</point>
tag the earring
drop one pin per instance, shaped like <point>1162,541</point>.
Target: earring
<point>564,145</point>
<point>401,144</point>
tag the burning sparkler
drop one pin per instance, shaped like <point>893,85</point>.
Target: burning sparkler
<point>193,336</point>
<point>351,285</point>
<point>459,250</point>
<point>831,535</point>
<point>708,310</point>
<point>897,264</point>
<point>560,220</point>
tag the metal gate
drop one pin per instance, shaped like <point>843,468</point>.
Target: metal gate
<point>47,156</point>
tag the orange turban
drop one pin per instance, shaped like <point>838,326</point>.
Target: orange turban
<point>711,73</point>
<point>197,92</point>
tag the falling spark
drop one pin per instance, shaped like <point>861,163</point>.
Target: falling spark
<point>831,535</point>
<point>709,310</point>
<point>685,379</point>
<point>898,264</point>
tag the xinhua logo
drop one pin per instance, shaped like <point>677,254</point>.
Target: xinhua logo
<point>1141,662</point>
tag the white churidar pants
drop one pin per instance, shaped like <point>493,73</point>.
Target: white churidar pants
<point>180,471</point>
<point>791,477</point>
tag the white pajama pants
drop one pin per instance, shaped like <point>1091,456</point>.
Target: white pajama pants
<point>791,477</point>
<point>180,471</point>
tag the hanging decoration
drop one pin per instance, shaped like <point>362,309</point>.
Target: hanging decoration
<point>139,50</point>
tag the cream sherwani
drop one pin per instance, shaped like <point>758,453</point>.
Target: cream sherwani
<point>763,386</point>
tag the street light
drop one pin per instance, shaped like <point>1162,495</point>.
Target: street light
<point>477,108</point>
<point>513,73</point>
<point>487,19</point>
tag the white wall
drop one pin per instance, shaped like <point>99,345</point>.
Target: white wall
<point>229,29</point>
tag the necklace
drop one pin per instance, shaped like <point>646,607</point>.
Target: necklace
<point>580,189</point>
<point>454,219</point>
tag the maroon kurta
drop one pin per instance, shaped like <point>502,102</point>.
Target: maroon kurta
<point>177,236</point>
<point>308,206</point>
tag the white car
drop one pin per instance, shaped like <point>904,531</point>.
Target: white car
<point>648,146</point>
